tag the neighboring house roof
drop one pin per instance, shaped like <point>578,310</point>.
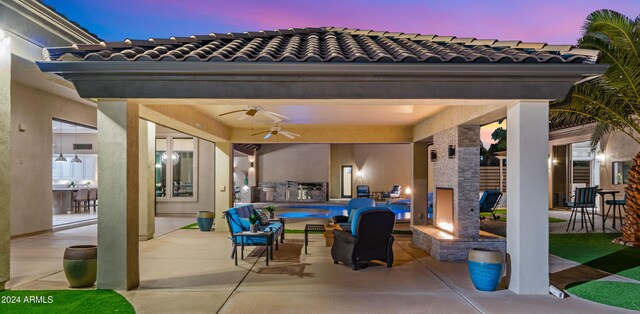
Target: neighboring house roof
<point>324,44</point>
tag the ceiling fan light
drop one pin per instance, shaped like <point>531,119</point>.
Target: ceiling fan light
<point>251,112</point>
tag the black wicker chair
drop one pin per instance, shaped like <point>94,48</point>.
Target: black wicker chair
<point>370,238</point>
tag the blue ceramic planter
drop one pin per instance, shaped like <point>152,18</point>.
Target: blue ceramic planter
<point>485,276</point>
<point>205,220</point>
<point>485,268</point>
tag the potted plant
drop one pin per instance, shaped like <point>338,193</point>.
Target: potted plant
<point>271,209</point>
<point>254,220</point>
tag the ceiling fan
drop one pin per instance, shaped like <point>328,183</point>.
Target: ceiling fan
<point>275,130</point>
<point>252,111</point>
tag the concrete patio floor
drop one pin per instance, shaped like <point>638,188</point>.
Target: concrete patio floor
<point>188,271</point>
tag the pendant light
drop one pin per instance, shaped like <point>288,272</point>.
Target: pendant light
<point>76,159</point>
<point>61,158</point>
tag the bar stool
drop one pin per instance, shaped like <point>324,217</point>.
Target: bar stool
<point>80,201</point>
<point>92,199</point>
<point>620,205</point>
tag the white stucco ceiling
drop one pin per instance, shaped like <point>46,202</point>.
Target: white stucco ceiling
<point>322,112</point>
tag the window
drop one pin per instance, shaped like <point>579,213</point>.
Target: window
<point>621,171</point>
<point>176,168</point>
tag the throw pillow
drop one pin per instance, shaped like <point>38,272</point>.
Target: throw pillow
<point>264,220</point>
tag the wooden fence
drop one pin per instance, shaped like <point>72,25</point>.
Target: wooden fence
<point>490,178</point>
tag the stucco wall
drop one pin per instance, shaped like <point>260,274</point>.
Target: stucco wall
<point>31,194</point>
<point>616,147</point>
<point>382,166</point>
<point>294,162</point>
<point>69,139</point>
<point>206,190</point>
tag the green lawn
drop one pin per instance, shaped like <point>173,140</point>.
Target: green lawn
<point>502,212</point>
<point>596,250</point>
<point>621,294</point>
<point>64,301</point>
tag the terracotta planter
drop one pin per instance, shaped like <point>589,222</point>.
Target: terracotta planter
<point>253,228</point>
<point>80,265</point>
<point>205,220</point>
<point>485,268</point>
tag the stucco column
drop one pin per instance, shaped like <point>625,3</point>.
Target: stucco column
<point>528,225</point>
<point>419,183</point>
<point>118,167</point>
<point>146,194</point>
<point>223,183</point>
<point>5,158</point>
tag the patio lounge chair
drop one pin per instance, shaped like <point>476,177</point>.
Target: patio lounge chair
<point>489,201</point>
<point>362,191</point>
<point>370,238</point>
<point>583,199</point>
<point>394,193</point>
<point>353,205</point>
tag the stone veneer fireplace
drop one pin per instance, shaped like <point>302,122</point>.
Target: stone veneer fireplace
<point>456,227</point>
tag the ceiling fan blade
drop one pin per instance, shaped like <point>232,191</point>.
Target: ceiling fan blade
<point>274,116</point>
<point>287,134</point>
<point>242,117</point>
<point>268,135</point>
<point>283,117</point>
<point>271,116</point>
<point>230,112</point>
<point>260,133</point>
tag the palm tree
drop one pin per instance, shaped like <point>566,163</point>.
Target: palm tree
<point>612,101</point>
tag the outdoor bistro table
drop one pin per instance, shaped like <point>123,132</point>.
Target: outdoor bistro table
<point>268,237</point>
<point>602,193</point>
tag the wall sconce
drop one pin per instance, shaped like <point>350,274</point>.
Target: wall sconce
<point>360,174</point>
<point>407,191</point>
<point>451,151</point>
<point>251,165</point>
<point>600,156</point>
<point>433,155</point>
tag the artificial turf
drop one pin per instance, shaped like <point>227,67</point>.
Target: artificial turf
<point>502,212</point>
<point>191,226</point>
<point>596,250</point>
<point>63,301</point>
<point>620,294</point>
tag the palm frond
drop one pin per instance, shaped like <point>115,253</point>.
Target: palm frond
<point>620,30</point>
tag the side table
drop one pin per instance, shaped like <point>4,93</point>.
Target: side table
<point>268,235</point>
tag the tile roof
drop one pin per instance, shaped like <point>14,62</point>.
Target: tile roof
<point>323,44</point>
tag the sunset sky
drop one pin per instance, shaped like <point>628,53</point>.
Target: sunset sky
<point>550,21</point>
<point>557,21</point>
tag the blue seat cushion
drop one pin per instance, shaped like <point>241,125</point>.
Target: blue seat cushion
<point>273,227</point>
<point>249,240</point>
<point>245,223</point>
<point>616,202</point>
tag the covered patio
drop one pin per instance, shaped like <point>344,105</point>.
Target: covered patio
<point>178,275</point>
<point>458,83</point>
